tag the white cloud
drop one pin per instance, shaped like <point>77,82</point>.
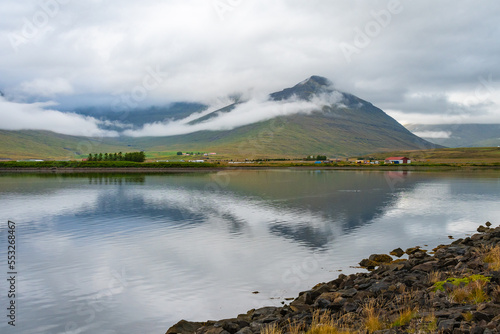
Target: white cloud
<point>433,134</point>
<point>252,111</point>
<point>104,49</point>
<point>34,116</point>
<point>47,87</point>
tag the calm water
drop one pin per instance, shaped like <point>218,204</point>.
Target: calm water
<point>136,253</point>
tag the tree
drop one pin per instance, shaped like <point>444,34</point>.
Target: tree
<point>90,157</point>
<point>179,153</point>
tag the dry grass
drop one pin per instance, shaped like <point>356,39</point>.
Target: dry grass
<point>324,323</point>
<point>430,323</point>
<point>272,329</point>
<point>495,295</point>
<point>434,277</point>
<point>492,257</point>
<point>404,318</point>
<point>467,316</point>
<point>472,293</point>
<point>294,328</point>
<point>372,317</point>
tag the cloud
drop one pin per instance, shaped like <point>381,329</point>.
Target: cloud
<point>34,116</point>
<point>252,111</point>
<point>433,134</point>
<point>47,87</point>
<point>101,50</point>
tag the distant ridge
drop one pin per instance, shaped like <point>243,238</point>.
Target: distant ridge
<point>459,135</point>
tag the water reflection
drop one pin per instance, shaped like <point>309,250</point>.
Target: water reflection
<point>136,253</point>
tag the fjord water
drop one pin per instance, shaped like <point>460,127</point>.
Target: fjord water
<point>135,253</point>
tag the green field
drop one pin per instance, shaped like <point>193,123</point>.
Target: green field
<point>463,155</point>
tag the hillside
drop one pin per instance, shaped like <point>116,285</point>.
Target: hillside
<point>334,123</point>
<point>349,126</point>
<point>31,144</point>
<point>459,135</point>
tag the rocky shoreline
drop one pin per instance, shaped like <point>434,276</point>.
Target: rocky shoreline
<point>451,289</point>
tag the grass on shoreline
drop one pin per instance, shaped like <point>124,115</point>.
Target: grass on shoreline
<point>17,165</point>
<point>101,164</point>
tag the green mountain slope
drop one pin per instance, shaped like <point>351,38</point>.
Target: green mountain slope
<point>32,144</point>
<point>344,126</point>
<point>352,127</point>
<point>296,135</point>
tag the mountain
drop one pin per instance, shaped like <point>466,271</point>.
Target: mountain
<point>340,125</point>
<point>459,135</point>
<point>139,117</point>
<point>305,90</point>
<point>311,117</point>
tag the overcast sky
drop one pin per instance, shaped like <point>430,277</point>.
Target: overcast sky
<point>420,61</point>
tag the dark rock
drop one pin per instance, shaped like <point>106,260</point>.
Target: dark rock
<point>299,306</point>
<point>330,296</point>
<point>419,254</point>
<point>256,327</point>
<point>264,312</point>
<point>322,303</point>
<point>491,309</point>
<point>450,263</point>
<point>230,326</point>
<point>380,258</point>
<point>378,287</point>
<point>461,331</point>
<point>212,330</point>
<point>398,266</point>
<point>477,330</point>
<point>366,263</point>
<point>350,307</point>
<point>412,250</point>
<point>447,325</point>
<point>184,327</point>
<point>319,290</point>
<point>245,330</point>
<point>349,293</point>
<point>398,252</point>
<point>482,229</point>
<point>426,267</point>
<point>478,316</point>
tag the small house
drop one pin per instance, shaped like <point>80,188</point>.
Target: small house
<point>397,160</point>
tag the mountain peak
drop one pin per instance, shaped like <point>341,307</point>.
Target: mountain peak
<point>306,89</point>
<point>317,80</point>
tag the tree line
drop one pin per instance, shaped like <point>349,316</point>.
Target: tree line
<point>318,157</point>
<point>129,156</point>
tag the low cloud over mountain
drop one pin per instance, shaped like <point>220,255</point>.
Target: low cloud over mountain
<point>40,116</point>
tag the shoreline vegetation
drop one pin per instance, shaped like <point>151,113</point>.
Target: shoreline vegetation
<point>432,159</point>
<point>452,289</point>
<point>138,167</point>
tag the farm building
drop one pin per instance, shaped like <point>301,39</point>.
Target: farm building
<point>397,160</point>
